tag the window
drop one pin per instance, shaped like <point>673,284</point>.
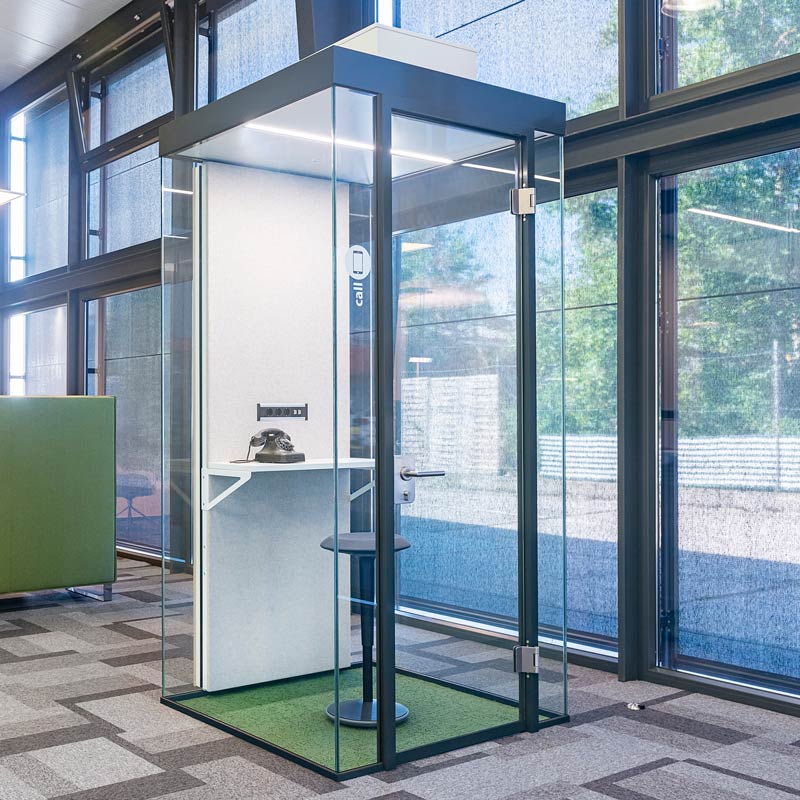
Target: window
<point>39,168</point>
<point>702,39</point>
<point>590,377</point>
<point>565,50</point>
<point>123,359</point>
<point>127,97</point>
<point>124,202</point>
<point>730,410</point>
<point>250,40</point>
<point>37,352</point>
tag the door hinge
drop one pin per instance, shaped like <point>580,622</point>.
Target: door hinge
<point>526,659</point>
<point>523,201</point>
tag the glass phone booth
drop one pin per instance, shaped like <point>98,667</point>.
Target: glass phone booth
<point>363,528</point>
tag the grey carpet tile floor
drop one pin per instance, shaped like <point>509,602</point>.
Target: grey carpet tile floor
<point>80,719</point>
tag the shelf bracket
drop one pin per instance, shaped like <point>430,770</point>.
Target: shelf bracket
<point>241,479</point>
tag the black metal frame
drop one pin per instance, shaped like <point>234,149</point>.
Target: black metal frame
<point>649,134</point>
<point>402,89</point>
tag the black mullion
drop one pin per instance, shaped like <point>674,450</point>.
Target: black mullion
<point>527,440</point>
<point>636,413</point>
<point>185,55</point>
<point>213,42</point>
<point>634,50</point>
<point>73,344</point>
<point>384,429</point>
<point>668,572</point>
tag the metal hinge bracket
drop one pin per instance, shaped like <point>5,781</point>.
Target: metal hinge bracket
<point>523,201</point>
<point>526,659</point>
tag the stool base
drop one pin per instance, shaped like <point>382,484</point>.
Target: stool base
<point>359,714</point>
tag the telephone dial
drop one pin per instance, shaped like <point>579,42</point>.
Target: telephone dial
<point>276,447</point>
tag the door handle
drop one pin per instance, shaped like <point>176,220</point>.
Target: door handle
<point>406,473</point>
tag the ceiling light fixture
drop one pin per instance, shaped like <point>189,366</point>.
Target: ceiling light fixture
<point>672,8</point>
<point>413,247</point>
<point>706,213</point>
<point>6,196</point>
<point>420,360</point>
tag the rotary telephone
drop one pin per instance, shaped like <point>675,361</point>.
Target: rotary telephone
<point>276,447</point>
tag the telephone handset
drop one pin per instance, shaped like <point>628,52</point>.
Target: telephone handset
<point>276,447</point>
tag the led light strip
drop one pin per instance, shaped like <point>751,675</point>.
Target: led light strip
<point>414,156</point>
<point>744,220</point>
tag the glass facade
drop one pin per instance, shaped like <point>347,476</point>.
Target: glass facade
<point>39,168</point>
<point>702,39</point>
<point>123,359</point>
<point>37,352</point>
<point>124,201</point>
<point>730,409</point>
<point>563,49</point>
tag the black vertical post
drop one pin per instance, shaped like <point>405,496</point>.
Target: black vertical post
<point>184,50</point>
<point>384,424</point>
<point>74,345</point>
<point>179,544</point>
<point>635,348</point>
<point>636,343</point>
<point>320,23</point>
<point>668,319</point>
<point>527,441</point>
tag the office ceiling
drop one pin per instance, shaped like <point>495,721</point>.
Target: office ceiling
<point>33,30</point>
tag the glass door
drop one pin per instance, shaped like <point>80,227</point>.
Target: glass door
<point>456,432</point>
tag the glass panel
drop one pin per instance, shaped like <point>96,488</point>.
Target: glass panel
<point>703,39</point>
<point>39,168</point>
<point>285,544</point>
<point>562,49</point>
<point>591,415</point>
<point>124,202</point>
<point>128,97</point>
<point>730,277</point>
<point>37,348</point>
<point>456,411</point>
<point>123,359</point>
<point>550,411</point>
<point>254,39</point>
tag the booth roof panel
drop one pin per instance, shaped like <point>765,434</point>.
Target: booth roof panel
<point>299,139</point>
<point>406,89</point>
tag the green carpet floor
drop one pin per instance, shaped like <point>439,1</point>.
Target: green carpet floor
<point>291,715</point>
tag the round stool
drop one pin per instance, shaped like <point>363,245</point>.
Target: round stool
<point>360,547</point>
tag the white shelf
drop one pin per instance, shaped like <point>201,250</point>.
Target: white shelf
<point>244,471</point>
<point>230,468</point>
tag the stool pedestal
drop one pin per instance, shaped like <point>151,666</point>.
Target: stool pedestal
<point>363,713</point>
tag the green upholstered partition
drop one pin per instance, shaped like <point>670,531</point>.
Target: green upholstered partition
<point>57,492</point>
